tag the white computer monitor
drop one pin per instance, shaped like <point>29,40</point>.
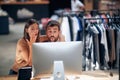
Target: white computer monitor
<point>44,55</point>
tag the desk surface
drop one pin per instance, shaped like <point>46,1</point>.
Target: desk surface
<point>86,75</point>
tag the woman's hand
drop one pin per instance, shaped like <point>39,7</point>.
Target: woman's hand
<point>33,38</point>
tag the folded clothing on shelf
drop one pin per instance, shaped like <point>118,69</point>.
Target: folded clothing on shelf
<point>24,13</point>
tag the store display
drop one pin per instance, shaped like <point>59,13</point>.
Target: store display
<point>109,4</point>
<point>4,25</point>
<point>24,13</point>
<point>3,13</point>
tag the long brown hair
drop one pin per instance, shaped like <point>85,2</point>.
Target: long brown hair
<point>27,25</point>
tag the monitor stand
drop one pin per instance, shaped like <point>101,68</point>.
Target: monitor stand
<point>58,73</point>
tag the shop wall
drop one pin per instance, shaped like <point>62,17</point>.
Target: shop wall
<point>88,4</point>
<point>58,4</point>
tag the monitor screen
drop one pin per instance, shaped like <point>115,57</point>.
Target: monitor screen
<point>44,55</point>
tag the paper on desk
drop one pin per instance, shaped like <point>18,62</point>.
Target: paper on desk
<point>47,78</point>
<point>85,77</point>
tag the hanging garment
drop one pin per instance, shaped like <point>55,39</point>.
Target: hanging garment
<point>75,27</point>
<point>65,29</point>
<point>80,31</point>
<point>105,43</point>
<point>111,46</point>
<point>101,47</point>
<point>71,27</point>
<point>96,51</point>
<point>118,49</point>
<point>90,56</point>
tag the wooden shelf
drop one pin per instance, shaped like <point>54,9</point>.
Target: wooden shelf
<point>26,2</point>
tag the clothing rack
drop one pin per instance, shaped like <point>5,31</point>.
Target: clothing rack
<point>96,10</point>
<point>102,10</point>
<point>85,11</point>
<point>101,18</point>
<point>84,21</point>
<point>63,13</point>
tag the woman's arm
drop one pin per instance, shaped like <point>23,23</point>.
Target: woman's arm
<point>30,56</point>
<point>32,40</point>
<point>22,54</point>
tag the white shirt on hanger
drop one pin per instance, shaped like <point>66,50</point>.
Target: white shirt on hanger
<point>65,29</point>
<point>75,26</point>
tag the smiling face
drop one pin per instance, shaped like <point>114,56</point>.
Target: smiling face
<point>53,33</point>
